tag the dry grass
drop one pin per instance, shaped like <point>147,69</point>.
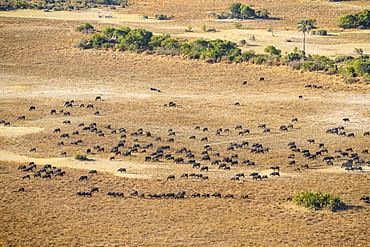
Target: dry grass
<point>41,70</point>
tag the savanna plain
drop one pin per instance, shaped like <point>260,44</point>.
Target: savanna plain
<point>170,97</point>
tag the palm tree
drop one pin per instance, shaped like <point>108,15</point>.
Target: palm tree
<point>305,26</point>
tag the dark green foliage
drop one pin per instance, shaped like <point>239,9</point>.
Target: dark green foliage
<point>318,200</point>
<point>241,11</point>
<point>80,157</point>
<point>272,50</point>
<point>136,40</point>
<point>343,59</point>
<point>140,40</point>
<point>87,27</point>
<point>213,50</point>
<point>97,40</point>
<point>317,63</point>
<point>322,32</point>
<point>61,5</point>
<point>161,17</point>
<point>263,13</point>
<point>81,43</point>
<point>359,20</point>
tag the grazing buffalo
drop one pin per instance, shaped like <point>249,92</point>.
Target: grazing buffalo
<point>47,166</point>
<point>98,98</point>
<point>275,174</point>
<point>83,178</point>
<point>21,117</point>
<point>171,177</point>
<point>32,108</point>
<point>46,176</point>
<point>33,150</point>
<point>26,176</point>
<point>216,195</point>
<point>21,167</point>
<point>196,165</point>
<point>206,157</point>
<point>179,160</point>
<point>235,178</point>
<point>60,143</point>
<point>204,168</point>
<point>275,168</point>
<point>93,172</point>
<point>122,170</point>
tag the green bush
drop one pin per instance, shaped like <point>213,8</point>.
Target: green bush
<point>189,29</point>
<point>238,25</point>
<point>243,42</point>
<point>318,200</point>
<point>360,20</point>
<point>87,27</point>
<point>161,17</point>
<point>322,32</point>
<point>81,43</point>
<point>80,157</point>
<point>272,50</point>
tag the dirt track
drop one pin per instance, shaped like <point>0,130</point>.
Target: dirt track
<point>46,74</point>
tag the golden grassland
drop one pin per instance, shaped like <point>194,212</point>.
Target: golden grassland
<point>39,68</point>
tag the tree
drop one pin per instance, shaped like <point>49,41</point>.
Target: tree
<point>263,13</point>
<point>136,40</point>
<point>87,27</point>
<point>347,21</point>
<point>246,12</point>
<point>305,26</point>
<point>272,50</point>
<point>235,9</point>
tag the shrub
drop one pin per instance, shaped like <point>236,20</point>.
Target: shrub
<point>322,32</point>
<point>238,25</point>
<point>161,17</point>
<point>204,28</point>
<point>318,200</point>
<point>87,27</point>
<point>80,157</point>
<point>272,50</point>
<point>243,42</point>
<point>81,43</point>
<point>343,59</point>
<point>189,29</point>
<point>361,20</point>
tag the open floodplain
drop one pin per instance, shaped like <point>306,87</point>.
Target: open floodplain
<point>158,117</point>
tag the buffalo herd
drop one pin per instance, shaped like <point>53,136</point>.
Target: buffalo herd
<point>208,160</point>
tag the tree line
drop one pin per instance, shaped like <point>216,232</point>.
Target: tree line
<point>218,50</point>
